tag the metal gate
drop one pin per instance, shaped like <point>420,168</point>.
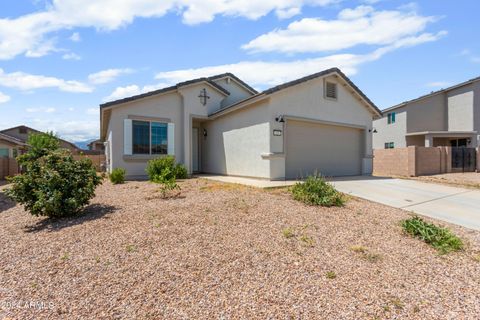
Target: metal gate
<point>464,159</point>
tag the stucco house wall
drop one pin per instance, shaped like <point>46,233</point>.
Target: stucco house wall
<point>236,141</point>
<point>167,107</point>
<point>394,132</point>
<point>460,109</point>
<point>346,110</point>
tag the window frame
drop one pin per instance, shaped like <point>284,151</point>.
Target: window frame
<point>389,145</point>
<point>150,122</point>
<point>391,117</point>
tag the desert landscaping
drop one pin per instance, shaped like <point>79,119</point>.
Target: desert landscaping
<point>228,251</point>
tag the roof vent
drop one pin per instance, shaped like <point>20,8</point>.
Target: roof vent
<point>331,90</point>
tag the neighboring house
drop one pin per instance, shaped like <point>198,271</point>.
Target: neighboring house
<point>10,147</point>
<point>96,145</point>
<point>449,117</point>
<point>223,126</point>
<point>18,137</point>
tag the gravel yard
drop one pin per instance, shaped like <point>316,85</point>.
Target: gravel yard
<point>227,251</point>
<point>467,179</point>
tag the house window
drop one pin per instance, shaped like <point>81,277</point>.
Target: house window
<point>331,90</point>
<point>391,117</point>
<point>22,130</point>
<point>4,152</point>
<point>149,137</point>
<point>389,145</point>
<point>159,138</point>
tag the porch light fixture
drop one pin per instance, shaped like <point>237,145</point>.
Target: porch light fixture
<point>205,132</point>
<point>280,119</point>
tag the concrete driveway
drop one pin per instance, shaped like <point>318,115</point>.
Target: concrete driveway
<point>451,204</point>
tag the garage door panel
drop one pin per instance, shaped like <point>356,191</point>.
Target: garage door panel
<point>327,149</point>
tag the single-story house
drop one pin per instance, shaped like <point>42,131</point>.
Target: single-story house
<point>221,125</point>
<point>96,145</point>
<point>13,141</point>
<point>448,117</point>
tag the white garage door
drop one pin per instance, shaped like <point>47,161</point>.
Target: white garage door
<point>330,150</point>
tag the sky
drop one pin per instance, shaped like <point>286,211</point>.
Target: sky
<point>60,59</point>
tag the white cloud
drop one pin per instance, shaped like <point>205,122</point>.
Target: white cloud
<point>93,111</point>
<point>75,37</point>
<point>25,81</point>
<point>71,56</point>
<point>263,74</point>
<point>37,110</point>
<point>470,55</point>
<point>359,26</point>
<point>132,90</point>
<point>32,35</point>
<point>438,84</point>
<point>71,130</point>
<point>108,75</point>
<point>4,98</point>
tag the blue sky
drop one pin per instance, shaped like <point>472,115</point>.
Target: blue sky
<point>59,59</point>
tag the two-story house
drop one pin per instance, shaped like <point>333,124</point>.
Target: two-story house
<point>448,117</point>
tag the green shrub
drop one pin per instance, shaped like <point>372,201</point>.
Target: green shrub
<point>117,176</point>
<point>39,145</point>
<point>316,191</point>
<point>441,239</point>
<point>164,169</point>
<point>54,184</point>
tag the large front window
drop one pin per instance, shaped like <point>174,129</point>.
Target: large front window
<point>149,137</point>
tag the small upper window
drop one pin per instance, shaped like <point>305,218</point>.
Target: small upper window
<point>22,130</point>
<point>331,90</point>
<point>389,145</point>
<point>391,117</point>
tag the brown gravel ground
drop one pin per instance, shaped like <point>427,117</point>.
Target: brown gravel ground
<point>467,179</point>
<point>223,251</point>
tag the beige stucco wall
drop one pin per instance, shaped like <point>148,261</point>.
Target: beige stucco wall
<point>239,142</point>
<point>237,92</point>
<point>235,143</point>
<point>307,100</point>
<point>460,109</point>
<point>177,107</point>
<point>168,106</point>
<point>394,132</point>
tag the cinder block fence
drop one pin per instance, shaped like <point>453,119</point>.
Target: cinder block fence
<point>9,166</point>
<point>414,161</point>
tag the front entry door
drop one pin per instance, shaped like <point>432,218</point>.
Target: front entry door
<point>195,157</point>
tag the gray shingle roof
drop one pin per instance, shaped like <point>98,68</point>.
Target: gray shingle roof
<point>302,80</point>
<point>165,90</point>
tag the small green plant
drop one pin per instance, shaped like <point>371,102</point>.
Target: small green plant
<point>331,275</point>
<point>358,249</point>
<point>307,240</point>
<point>165,168</point>
<point>372,257</point>
<point>131,248</point>
<point>316,191</point>
<point>441,239</point>
<point>65,256</point>
<point>117,175</point>
<point>288,233</point>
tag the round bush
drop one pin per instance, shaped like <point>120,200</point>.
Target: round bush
<point>165,168</point>
<point>316,191</point>
<point>54,184</point>
<point>117,176</point>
